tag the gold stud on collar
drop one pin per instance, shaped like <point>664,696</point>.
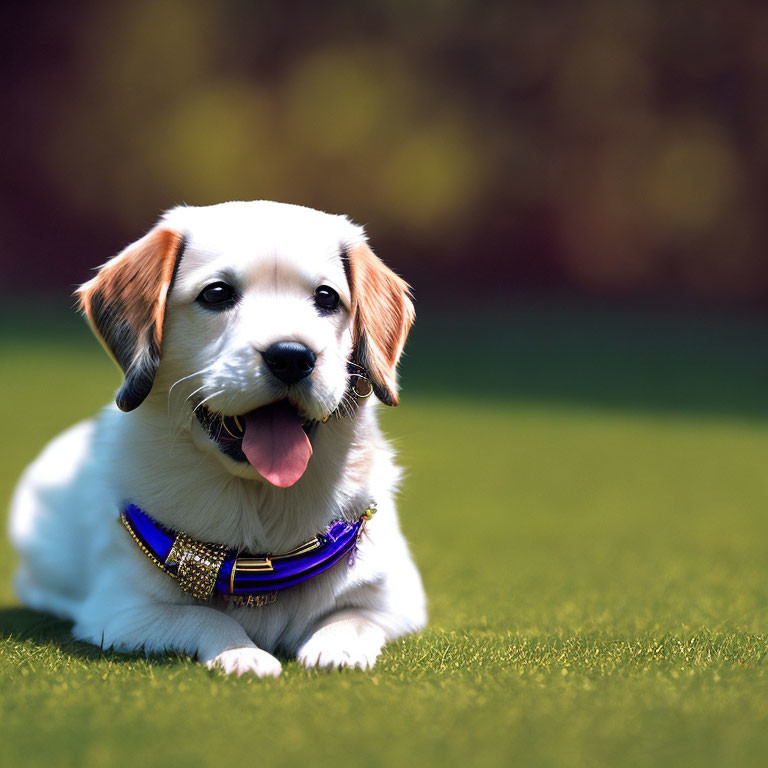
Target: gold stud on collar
<point>198,565</point>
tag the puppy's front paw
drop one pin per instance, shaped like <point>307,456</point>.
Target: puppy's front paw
<point>238,661</point>
<point>344,643</point>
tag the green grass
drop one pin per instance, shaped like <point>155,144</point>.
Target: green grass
<point>593,535</point>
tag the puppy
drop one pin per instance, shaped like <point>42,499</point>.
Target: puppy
<point>224,508</point>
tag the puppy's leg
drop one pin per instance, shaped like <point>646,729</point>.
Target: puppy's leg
<point>347,638</point>
<point>214,638</point>
<point>389,604</point>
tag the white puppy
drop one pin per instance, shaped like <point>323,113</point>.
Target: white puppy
<point>249,435</point>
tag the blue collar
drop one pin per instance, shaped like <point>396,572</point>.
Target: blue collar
<point>204,570</point>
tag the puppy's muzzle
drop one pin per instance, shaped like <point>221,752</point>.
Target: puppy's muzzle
<point>289,361</point>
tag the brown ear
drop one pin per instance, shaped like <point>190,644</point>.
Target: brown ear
<point>382,314</point>
<point>125,305</point>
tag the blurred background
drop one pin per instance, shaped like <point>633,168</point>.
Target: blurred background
<point>577,192</point>
<point>604,148</point>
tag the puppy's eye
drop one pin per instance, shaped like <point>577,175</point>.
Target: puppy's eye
<point>217,296</point>
<point>326,297</point>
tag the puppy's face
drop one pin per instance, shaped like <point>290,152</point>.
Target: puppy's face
<point>260,314</point>
<point>261,311</point>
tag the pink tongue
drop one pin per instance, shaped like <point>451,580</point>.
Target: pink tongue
<point>275,444</point>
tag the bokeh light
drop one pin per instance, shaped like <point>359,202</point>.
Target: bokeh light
<point>597,147</point>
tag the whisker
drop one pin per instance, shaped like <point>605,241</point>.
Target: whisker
<point>206,399</point>
<point>347,405</point>
<point>177,416</point>
<point>175,424</point>
<point>192,394</point>
<point>184,378</point>
<point>175,434</point>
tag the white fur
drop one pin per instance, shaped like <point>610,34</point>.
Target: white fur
<point>78,562</point>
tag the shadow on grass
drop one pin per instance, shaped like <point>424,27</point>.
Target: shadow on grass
<point>25,625</point>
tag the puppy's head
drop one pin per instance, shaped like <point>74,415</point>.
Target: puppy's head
<point>251,319</point>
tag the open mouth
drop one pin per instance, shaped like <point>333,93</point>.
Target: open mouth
<point>273,439</point>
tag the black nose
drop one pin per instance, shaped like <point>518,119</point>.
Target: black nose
<point>289,361</point>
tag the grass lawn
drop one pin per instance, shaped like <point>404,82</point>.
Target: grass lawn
<point>592,529</point>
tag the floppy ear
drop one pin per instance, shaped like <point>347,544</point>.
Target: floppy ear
<point>382,314</point>
<point>125,305</point>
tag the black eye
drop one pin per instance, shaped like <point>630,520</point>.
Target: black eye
<point>326,297</point>
<point>217,296</point>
